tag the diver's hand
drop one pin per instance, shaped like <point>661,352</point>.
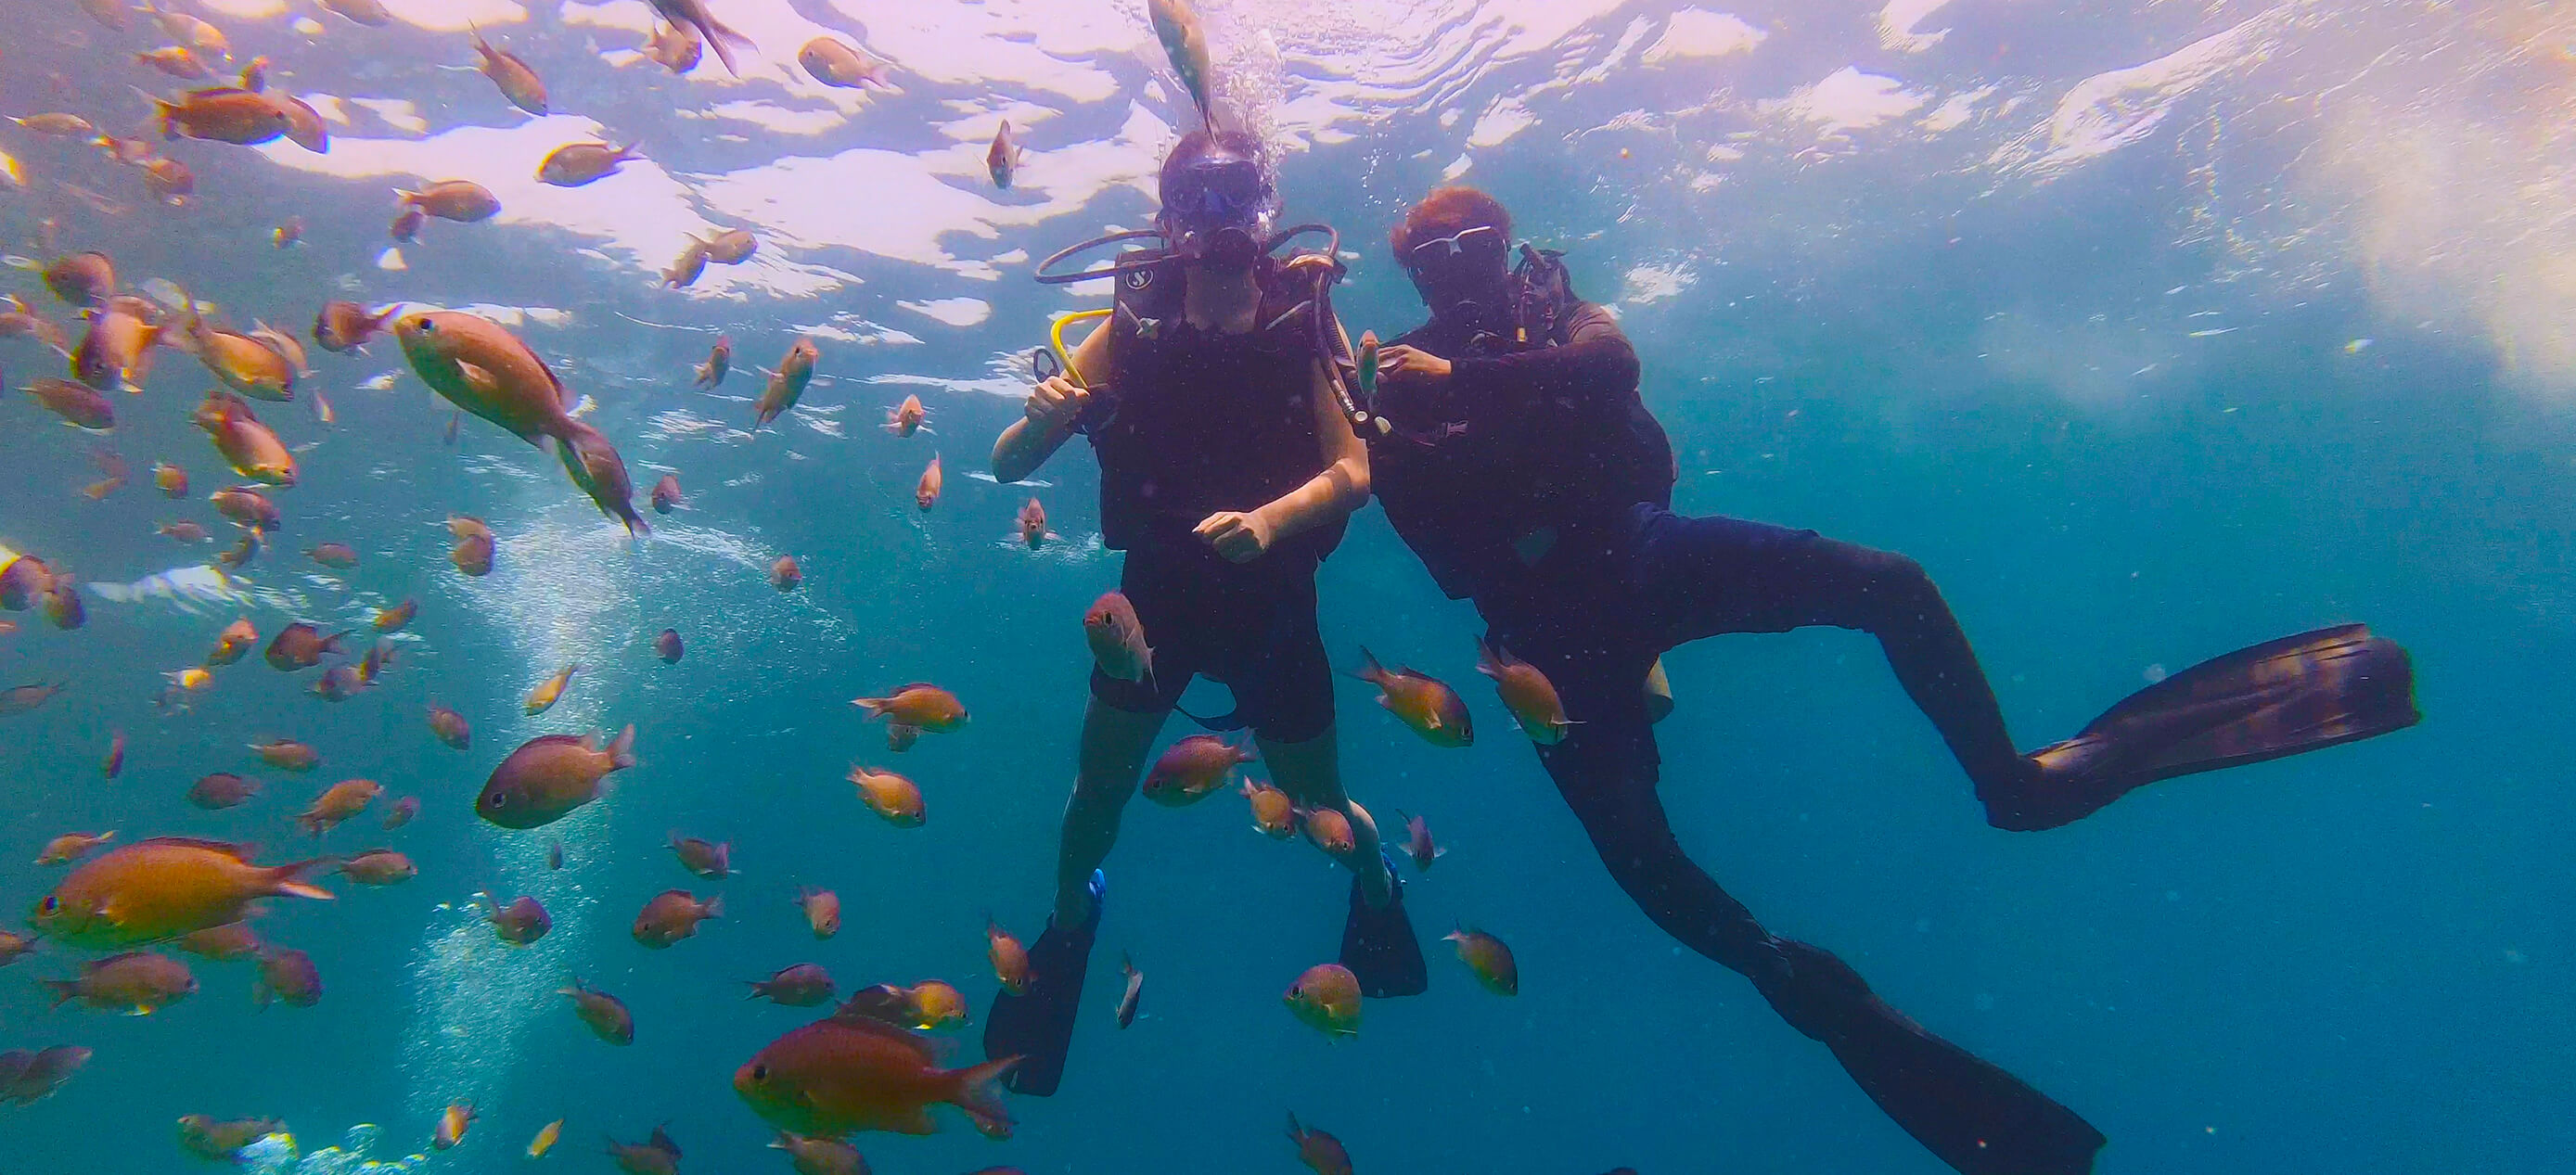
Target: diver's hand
<point>1056,403</point>
<point>1400,363</point>
<point>1240,538</point>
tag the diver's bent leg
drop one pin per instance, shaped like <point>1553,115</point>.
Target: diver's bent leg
<point>1707,576</point>
<point>1311,773</point>
<point>1973,1115</point>
<point>1114,742</point>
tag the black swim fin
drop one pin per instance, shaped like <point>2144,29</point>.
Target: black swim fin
<point>1379,946</point>
<point>1971,1114</point>
<point>1037,1025</point>
<point>2299,693</point>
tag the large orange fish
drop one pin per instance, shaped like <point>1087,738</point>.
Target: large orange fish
<point>604,1014</point>
<point>1327,999</point>
<point>852,1072</point>
<point>822,910</point>
<point>787,384</point>
<point>517,82</point>
<point>1526,692</point>
<point>163,888</point>
<point>542,698</point>
<point>338,803</point>
<point>1425,705</point>
<point>925,493</point>
<point>247,445</point>
<point>1193,769</point>
<point>549,776</point>
<point>919,704</point>
<point>482,368</point>
<point>672,915</point>
<point>1486,955</point>
<point>890,795</point>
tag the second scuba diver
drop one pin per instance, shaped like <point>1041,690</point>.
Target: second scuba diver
<point>1521,466</point>
<point>1227,473</point>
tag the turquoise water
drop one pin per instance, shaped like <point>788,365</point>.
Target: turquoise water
<point>2152,330</point>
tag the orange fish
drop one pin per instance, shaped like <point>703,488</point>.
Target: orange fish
<point>346,326</point>
<point>250,447</point>
<point>672,915</point>
<point>221,790</point>
<point>116,350</point>
<point>228,943</point>
<point>1033,525</point>
<point>575,164</point>
<point>904,419</point>
<point>605,1015</point>
<point>1128,999</point>
<point>835,64</point>
<point>822,910</point>
<point>852,1072</point>
<point>787,385</point>
<point>1193,769</point>
<point>224,114</point>
<point>545,1139</point>
<point>1327,999</point>
<point>337,803</point>
<point>473,549</point>
<point>1526,692</point>
<point>1322,1153</point>
<point>337,556</point>
<point>379,867</point>
<point>114,764</point>
<point>597,471</point>
<point>172,480</point>
<point>1417,842</point>
<point>900,737</point>
<point>1486,955</point>
<point>551,775</point>
<point>393,619</point>
<point>819,1156</point>
<point>248,506</point>
<point>301,646</point>
<point>139,982</point>
<point>522,922</point>
<point>542,698</point>
<point>786,573</point>
<point>403,811</point>
<point>656,1155</point>
<point>288,755</point>
<point>1005,156</point>
<point>78,404</point>
<point>1010,959</point>
<point>236,639</point>
<point>1328,829</point>
<point>707,859</point>
<point>517,82</point>
<point>719,361</point>
<point>667,646</point>
<point>890,795</point>
<point>163,888</point>
<point>178,61</point>
<point>1117,638</point>
<point>71,846</point>
<point>462,201</point>
<point>407,224</point>
<point>1425,706</point>
<point>918,704</point>
<point>450,727</point>
<point>452,1123</point>
<point>666,494</point>
<point>1273,813</point>
<point>801,986</point>
<point>925,493</point>
<point>82,279</point>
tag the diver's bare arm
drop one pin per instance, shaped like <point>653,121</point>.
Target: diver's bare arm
<point>1341,489</point>
<point>1053,407</point>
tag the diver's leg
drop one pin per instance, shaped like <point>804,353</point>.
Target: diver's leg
<point>1114,742</point>
<point>1035,1024</point>
<point>1705,576</point>
<point>1972,1114</point>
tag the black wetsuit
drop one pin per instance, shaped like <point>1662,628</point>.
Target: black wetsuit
<point>1193,422</point>
<point>1550,507</point>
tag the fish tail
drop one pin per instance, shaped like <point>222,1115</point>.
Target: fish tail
<point>714,907</point>
<point>65,990</point>
<point>979,1094</point>
<point>872,707</point>
<point>1369,670</point>
<point>288,880</point>
<point>1489,658</point>
<point>621,751</point>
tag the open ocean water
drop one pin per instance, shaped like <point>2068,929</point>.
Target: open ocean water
<point>2152,329</point>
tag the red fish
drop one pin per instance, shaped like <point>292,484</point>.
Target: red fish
<point>1193,769</point>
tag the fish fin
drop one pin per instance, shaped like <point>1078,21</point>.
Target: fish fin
<point>1369,671</point>
<point>979,1094</point>
<point>661,1141</point>
<point>713,907</point>
<point>482,381</point>
<point>621,751</point>
<point>1489,659</point>
<point>287,880</point>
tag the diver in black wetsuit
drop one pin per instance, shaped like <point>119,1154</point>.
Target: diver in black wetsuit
<point>1523,469</point>
<point>1227,471</point>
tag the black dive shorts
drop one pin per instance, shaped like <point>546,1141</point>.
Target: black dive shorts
<point>1250,626</point>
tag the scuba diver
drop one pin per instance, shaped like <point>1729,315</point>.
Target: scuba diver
<point>1517,460</point>
<point>1228,470</point>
